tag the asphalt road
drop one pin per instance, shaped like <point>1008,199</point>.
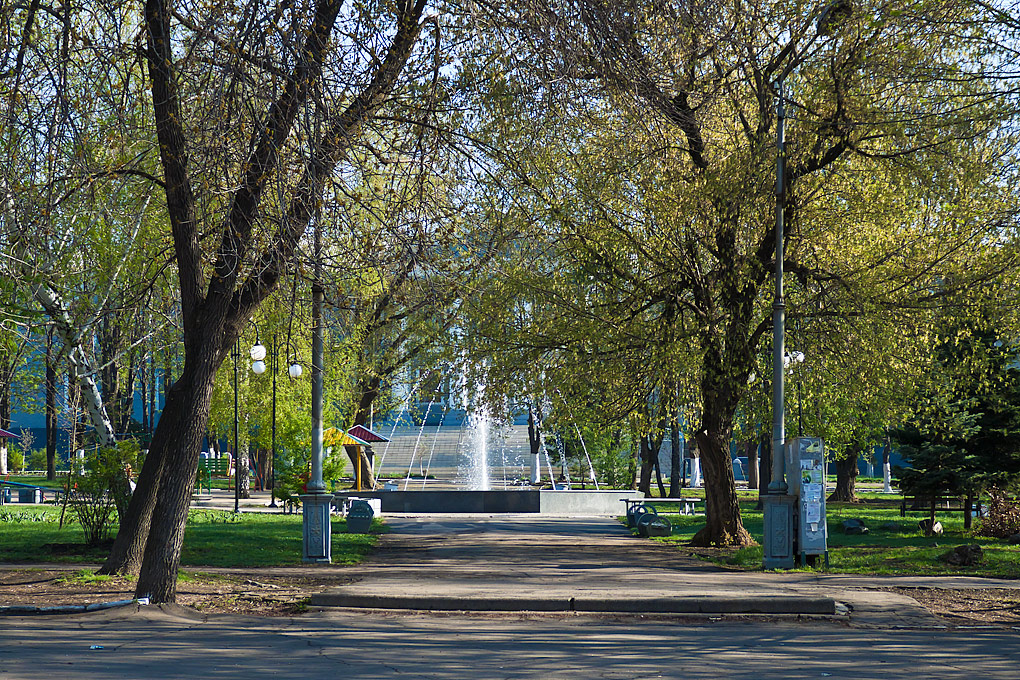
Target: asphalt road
<point>150,643</point>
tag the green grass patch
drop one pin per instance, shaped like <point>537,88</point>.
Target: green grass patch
<point>225,539</point>
<point>212,538</point>
<point>893,544</point>
<point>86,577</point>
<point>36,480</point>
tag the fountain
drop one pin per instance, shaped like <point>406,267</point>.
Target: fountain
<point>478,452</point>
<point>464,454</point>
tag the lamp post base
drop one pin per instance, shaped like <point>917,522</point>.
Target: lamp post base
<point>318,530</point>
<point>779,530</point>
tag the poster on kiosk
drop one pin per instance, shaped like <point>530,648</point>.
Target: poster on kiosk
<point>805,464</point>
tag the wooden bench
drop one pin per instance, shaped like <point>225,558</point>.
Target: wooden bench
<point>26,493</point>
<point>209,468</point>
<point>943,504</point>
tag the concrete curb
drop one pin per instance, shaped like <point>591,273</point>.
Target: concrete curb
<point>29,610</point>
<point>783,604</point>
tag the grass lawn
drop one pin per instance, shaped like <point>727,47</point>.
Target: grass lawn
<point>213,538</point>
<point>36,480</point>
<point>894,544</point>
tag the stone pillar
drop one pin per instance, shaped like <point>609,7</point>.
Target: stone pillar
<point>317,527</point>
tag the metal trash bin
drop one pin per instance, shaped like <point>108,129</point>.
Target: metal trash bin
<point>359,517</point>
<point>30,496</point>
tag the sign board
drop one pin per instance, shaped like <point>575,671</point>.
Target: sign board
<point>805,465</point>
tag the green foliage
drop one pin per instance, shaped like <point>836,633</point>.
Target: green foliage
<point>293,470</point>
<point>20,453</point>
<point>36,460</point>
<point>25,516</point>
<point>933,444</point>
<point>15,460</point>
<point>1003,518</point>
<point>100,487</point>
<point>965,434</point>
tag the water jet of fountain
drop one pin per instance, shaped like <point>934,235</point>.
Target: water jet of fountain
<point>591,468</point>
<point>421,429</point>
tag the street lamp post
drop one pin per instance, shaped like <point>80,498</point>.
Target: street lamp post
<point>316,504</point>
<point>258,354</point>
<point>237,469</point>
<point>778,505</point>
<point>274,362</point>
<point>294,370</point>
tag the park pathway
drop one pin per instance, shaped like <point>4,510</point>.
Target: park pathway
<point>534,563</point>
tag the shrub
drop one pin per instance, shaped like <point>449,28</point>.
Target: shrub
<point>293,471</point>
<point>36,460</point>
<point>1003,519</point>
<point>101,487</point>
<point>15,460</point>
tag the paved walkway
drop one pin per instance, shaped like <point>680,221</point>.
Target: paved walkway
<point>495,562</point>
<point>533,563</point>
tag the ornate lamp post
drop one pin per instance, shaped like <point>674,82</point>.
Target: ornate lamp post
<point>258,355</point>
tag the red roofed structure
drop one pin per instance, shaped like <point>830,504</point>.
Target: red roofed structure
<point>365,434</point>
<point>4,434</point>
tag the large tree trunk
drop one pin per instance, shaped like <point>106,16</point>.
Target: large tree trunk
<point>751,449</point>
<point>723,525</point>
<point>213,320</point>
<point>179,438</point>
<point>129,545</point>
<point>846,479</point>
<point>645,477</point>
<point>675,460</point>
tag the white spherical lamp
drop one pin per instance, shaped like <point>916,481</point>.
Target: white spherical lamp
<point>295,370</point>
<point>258,367</point>
<point>258,352</point>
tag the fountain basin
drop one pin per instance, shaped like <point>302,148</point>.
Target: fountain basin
<point>562,503</point>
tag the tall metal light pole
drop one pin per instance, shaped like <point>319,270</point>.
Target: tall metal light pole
<point>274,363</point>
<point>315,505</point>
<point>778,505</point>
<point>237,469</point>
<point>778,483</point>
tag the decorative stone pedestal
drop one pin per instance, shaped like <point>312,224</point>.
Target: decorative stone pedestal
<point>779,530</point>
<point>317,528</point>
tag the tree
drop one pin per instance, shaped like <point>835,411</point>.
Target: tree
<point>231,249</point>
<point>649,154</point>
<point>964,436</point>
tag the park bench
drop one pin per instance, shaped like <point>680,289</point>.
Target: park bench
<point>209,468</point>
<point>941,504</point>
<point>27,493</point>
<point>646,519</point>
<point>684,506</point>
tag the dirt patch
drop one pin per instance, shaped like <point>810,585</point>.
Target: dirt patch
<point>249,593</point>
<point>969,606</point>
